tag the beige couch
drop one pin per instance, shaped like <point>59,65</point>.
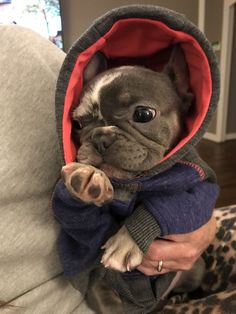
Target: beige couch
<point>31,276</point>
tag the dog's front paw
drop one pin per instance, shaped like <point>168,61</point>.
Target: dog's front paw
<point>121,252</point>
<point>87,183</point>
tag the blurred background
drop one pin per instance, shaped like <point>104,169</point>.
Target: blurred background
<point>42,16</point>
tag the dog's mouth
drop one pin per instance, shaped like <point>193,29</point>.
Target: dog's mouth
<point>122,159</point>
<point>97,160</point>
<point>118,173</point>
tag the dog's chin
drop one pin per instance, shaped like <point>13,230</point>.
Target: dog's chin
<point>110,170</point>
<point>118,171</point>
<point>119,168</point>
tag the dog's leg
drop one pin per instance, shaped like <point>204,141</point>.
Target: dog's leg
<point>87,183</point>
<point>121,252</point>
<point>102,299</point>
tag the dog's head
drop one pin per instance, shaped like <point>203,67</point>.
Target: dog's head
<point>129,117</point>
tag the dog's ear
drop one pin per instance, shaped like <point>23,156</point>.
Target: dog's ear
<point>97,64</point>
<point>177,70</point>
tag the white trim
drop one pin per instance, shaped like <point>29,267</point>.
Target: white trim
<point>225,65</point>
<point>211,137</point>
<point>201,14</point>
<point>230,136</point>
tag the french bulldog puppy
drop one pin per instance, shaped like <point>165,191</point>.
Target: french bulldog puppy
<point>127,120</point>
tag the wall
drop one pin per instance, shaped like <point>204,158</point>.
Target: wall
<point>77,15</point>
<point>213,13</point>
<point>231,119</point>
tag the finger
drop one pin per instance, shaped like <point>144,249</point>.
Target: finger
<point>180,255</point>
<point>168,250</point>
<point>146,262</point>
<point>171,265</point>
<point>152,271</point>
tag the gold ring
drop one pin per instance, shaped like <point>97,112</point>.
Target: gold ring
<point>159,266</point>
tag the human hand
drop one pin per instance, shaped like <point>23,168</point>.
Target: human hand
<point>178,252</point>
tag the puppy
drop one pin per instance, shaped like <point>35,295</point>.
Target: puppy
<point>127,120</point>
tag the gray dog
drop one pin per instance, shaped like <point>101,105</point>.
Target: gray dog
<point>127,120</point>
<point>125,140</point>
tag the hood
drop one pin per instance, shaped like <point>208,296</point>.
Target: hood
<point>141,35</point>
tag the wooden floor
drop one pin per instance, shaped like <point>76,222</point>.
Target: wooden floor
<point>222,159</point>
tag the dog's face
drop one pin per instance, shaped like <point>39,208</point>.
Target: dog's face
<point>130,117</point>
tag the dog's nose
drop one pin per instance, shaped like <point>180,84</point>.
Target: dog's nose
<point>102,139</point>
<point>102,142</point>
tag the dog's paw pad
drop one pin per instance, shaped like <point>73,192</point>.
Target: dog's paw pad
<point>87,183</point>
<point>76,182</point>
<point>94,191</point>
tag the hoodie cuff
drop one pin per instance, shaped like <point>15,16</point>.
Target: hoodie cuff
<point>143,228</point>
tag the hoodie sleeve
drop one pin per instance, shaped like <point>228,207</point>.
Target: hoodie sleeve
<point>164,214</point>
<point>84,229</point>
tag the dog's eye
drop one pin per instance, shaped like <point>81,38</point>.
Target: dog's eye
<point>143,114</point>
<point>77,125</point>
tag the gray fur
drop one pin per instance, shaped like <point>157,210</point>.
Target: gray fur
<point>110,138</point>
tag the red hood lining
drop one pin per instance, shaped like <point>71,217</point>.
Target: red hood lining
<point>138,41</point>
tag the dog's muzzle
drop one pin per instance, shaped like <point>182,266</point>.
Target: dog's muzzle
<point>103,137</point>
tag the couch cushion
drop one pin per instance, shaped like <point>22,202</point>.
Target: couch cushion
<point>29,168</point>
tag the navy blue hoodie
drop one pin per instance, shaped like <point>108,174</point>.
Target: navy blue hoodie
<point>180,200</point>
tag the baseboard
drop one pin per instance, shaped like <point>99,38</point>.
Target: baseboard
<point>211,137</point>
<point>230,136</point>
